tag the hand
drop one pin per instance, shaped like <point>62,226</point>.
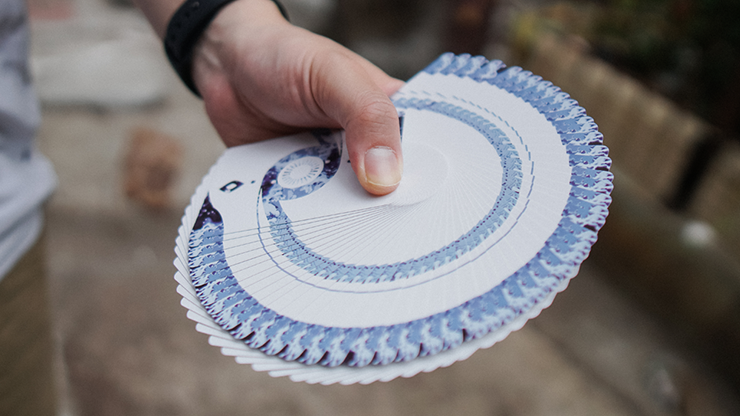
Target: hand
<point>261,77</point>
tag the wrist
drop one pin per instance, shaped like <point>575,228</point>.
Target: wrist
<point>200,25</point>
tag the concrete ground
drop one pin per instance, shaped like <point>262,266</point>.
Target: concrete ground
<point>125,346</point>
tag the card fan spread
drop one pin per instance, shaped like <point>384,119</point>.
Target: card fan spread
<point>289,265</point>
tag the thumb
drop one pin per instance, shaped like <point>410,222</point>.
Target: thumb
<point>347,93</point>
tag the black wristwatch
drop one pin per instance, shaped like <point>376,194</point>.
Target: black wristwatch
<point>184,30</point>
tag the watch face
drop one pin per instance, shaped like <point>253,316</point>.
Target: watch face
<point>291,266</point>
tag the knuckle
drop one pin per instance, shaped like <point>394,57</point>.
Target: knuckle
<point>374,109</point>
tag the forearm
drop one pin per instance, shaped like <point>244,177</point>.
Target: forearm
<point>158,12</point>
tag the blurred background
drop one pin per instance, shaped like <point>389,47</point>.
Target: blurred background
<point>651,326</point>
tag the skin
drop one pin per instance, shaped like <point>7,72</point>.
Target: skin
<point>261,77</point>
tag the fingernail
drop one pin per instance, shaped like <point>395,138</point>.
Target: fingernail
<point>382,167</point>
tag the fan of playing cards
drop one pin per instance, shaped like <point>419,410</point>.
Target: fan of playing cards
<point>289,265</point>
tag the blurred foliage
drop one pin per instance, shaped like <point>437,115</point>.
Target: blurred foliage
<point>688,50</point>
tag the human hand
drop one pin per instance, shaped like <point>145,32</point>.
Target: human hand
<point>261,77</point>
